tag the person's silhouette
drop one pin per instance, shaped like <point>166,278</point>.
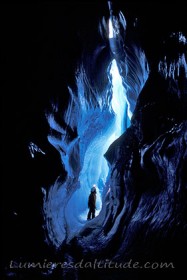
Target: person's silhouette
<point>92,203</point>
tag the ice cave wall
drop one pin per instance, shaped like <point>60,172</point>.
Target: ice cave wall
<point>145,209</point>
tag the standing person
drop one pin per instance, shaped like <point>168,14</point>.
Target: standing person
<point>92,203</point>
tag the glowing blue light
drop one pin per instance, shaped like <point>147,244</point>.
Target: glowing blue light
<point>119,101</point>
<point>95,167</point>
<point>97,128</point>
<point>110,27</point>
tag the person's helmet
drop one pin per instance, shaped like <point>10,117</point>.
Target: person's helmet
<point>93,189</point>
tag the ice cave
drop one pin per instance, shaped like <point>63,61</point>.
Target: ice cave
<point>105,104</point>
<point>99,117</point>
